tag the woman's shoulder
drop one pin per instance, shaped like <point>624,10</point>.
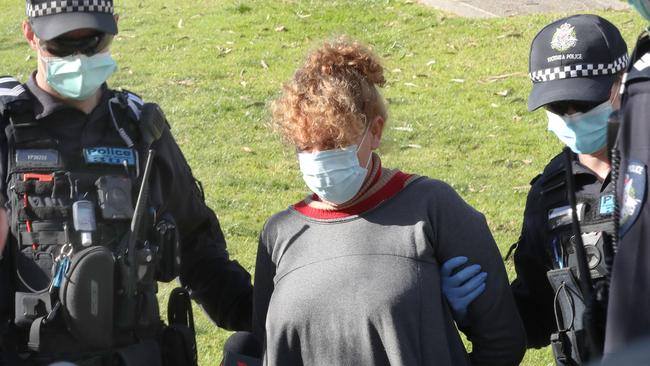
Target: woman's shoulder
<point>423,185</point>
<point>278,223</point>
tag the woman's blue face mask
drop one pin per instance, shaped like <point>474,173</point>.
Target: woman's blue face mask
<point>584,133</point>
<point>336,175</point>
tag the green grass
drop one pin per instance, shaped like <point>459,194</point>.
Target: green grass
<point>202,61</point>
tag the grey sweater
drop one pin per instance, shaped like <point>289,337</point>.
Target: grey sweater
<point>365,289</point>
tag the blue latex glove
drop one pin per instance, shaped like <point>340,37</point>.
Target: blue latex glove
<point>462,287</point>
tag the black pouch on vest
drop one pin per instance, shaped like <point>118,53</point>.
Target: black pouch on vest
<point>87,296</point>
<point>572,307</point>
<point>145,353</point>
<point>169,250</point>
<point>29,306</point>
<point>178,339</point>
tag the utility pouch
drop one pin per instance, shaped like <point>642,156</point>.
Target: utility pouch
<point>178,340</point>
<point>169,251</point>
<point>569,298</point>
<point>561,346</point>
<point>125,312</point>
<point>86,294</point>
<point>571,304</point>
<point>145,353</point>
<point>30,306</point>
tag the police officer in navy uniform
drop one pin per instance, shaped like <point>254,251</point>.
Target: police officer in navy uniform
<point>575,65</point>
<point>78,276</point>
<point>628,318</point>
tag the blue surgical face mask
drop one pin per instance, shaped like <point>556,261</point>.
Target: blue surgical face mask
<point>642,6</point>
<point>584,133</point>
<point>78,76</point>
<point>334,175</point>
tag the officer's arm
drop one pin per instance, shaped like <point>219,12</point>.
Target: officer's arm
<point>4,230</point>
<point>220,285</point>
<point>264,274</point>
<point>531,289</point>
<point>492,324</point>
<point>4,223</point>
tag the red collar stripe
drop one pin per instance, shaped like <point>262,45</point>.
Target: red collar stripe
<point>394,186</point>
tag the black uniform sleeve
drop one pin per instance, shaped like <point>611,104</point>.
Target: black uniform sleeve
<point>628,317</point>
<point>221,286</point>
<point>264,274</point>
<point>531,289</point>
<point>5,279</point>
<point>4,151</point>
<point>493,325</point>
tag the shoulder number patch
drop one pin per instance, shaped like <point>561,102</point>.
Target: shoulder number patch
<point>634,192</point>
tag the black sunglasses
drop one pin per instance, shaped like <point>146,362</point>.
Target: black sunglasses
<point>90,45</point>
<point>561,108</point>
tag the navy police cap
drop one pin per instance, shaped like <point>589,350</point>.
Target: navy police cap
<point>575,58</point>
<point>52,18</point>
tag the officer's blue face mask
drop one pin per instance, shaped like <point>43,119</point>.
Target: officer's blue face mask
<point>584,133</point>
<point>335,175</point>
<point>642,6</point>
<point>78,76</point>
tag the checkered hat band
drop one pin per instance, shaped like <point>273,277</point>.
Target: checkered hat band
<point>578,71</point>
<point>69,6</point>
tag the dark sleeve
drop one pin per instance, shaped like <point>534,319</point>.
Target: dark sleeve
<point>220,285</point>
<point>493,324</point>
<point>4,160</point>
<point>264,274</point>
<point>531,289</point>
<point>5,283</point>
<point>627,315</point>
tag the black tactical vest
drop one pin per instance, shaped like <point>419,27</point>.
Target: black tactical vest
<point>78,290</point>
<point>595,213</point>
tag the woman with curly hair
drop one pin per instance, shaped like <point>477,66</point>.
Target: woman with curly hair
<point>351,274</point>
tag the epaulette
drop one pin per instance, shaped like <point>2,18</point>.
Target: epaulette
<point>150,118</point>
<point>640,70</point>
<point>11,91</point>
<point>133,102</point>
<point>553,175</point>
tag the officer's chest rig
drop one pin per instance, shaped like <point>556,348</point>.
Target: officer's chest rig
<point>79,288</point>
<point>595,214</point>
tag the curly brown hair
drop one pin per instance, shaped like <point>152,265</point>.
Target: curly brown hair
<point>331,98</point>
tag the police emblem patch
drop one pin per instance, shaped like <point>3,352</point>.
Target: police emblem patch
<point>564,38</point>
<point>110,156</point>
<point>634,192</point>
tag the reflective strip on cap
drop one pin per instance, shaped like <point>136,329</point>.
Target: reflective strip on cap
<point>69,6</point>
<point>579,70</point>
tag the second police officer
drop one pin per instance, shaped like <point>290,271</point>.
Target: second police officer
<point>628,318</point>
<point>576,64</point>
<point>78,162</point>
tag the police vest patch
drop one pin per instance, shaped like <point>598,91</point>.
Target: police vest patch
<point>606,204</point>
<point>633,194</point>
<point>37,158</point>
<point>110,155</point>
